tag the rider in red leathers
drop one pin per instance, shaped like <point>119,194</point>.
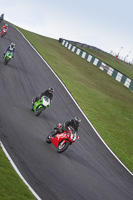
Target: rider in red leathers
<point>5,26</point>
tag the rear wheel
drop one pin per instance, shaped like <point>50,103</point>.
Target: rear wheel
<point>62,146</point>
<point>38,112</point>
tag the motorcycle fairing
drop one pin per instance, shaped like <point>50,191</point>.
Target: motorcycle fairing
<point>58,138</point>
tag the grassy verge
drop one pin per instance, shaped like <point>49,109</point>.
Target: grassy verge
<point>118,64</point>
<point>11,186</point>
<point>109,104</point>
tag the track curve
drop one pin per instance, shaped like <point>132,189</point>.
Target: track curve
<point>87,170</point>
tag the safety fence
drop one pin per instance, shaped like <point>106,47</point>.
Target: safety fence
<point>122,78</point>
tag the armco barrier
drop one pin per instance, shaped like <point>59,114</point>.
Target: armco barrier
<point>101,65</point>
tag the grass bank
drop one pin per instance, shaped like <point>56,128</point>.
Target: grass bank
<point>11,186</point>
<point>118,64</point>
<point>109,104</point>
<point>109,107</point>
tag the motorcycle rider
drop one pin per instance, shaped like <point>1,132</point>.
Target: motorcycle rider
<point>10,48</point>
<point>48,93</point>
<point>5,26</point>
<point>74,123</point>
<point>1,17</point>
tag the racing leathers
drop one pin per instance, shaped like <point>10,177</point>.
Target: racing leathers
<point>65,126</point>
<point>9,48</point>
<point>45,93</point>
<point>74,126</point>
<point>4,27</point>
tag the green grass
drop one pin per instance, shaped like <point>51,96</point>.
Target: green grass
<point>118,64</point>
<point>11,186</point>
<point>109,104</point>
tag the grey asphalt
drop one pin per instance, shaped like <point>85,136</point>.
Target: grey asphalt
<point>87,170</point>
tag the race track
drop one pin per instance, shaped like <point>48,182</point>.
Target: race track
<point>87,170</point>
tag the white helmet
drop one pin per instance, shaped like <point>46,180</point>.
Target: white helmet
<point>12,45</point>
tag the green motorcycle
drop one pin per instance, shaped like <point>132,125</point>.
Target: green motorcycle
<point>8,56</point>
<point>40,105</point>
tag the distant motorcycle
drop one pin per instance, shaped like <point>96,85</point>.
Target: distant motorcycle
<point>62,139</point>
<point>8,56</point>
<point>1,17</point>
<point>40,105</point>
<point>3,32</point>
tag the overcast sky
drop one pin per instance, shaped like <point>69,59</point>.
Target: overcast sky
<point>105,24</point>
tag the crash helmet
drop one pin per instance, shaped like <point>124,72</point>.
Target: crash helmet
<point>12,45</point>
<point>51,90</point>
<point>76,120</point>
<point>6,25</point>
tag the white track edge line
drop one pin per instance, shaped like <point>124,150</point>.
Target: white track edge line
<point>77,104</point>
<point>18,172</point>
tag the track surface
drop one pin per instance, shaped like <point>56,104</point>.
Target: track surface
<point>87,170</point>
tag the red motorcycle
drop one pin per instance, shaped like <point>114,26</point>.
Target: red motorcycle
<point>63,138</point>
<point>3,32</point>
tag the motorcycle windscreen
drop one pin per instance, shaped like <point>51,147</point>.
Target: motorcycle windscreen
<point>46,101</point>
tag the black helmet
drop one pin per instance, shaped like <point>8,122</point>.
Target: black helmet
<point>76,120</point>
<point>51,90</point>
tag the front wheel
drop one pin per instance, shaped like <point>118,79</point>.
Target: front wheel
<point>48,139</point>
<point>5,61</point>
<point>62,146</point>
<point>38,112</point>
